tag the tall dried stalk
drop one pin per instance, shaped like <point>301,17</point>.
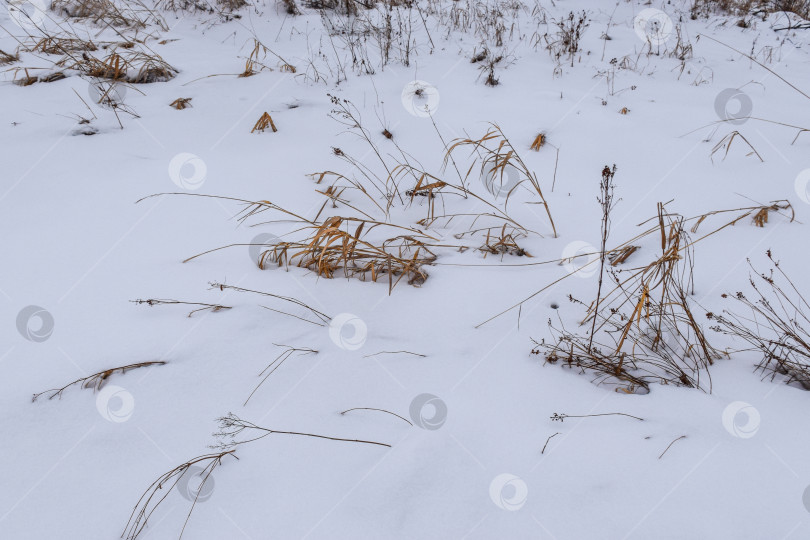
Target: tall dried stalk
<point>606,203</point>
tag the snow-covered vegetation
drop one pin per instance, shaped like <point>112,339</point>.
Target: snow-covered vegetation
<point>405,269</point>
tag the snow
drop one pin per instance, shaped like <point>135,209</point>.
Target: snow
<point>75,244</point>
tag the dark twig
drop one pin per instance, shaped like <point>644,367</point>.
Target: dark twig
<point>670,444</point>
<point>231,425</point>
<point>158,301</point>
<point>373,409</point>
<point>275,364</point>
<point>544,446</point>
<point>395,352</point>
<point>322,316</point>
<point>562,417</point>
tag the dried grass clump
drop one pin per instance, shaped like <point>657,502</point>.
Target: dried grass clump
<point>62,45</point>
<point>6,58</point>
<point>504,243</point>
<point>264,122</point>
<point>775,322</point>
<point>123,64</point>
<point>223,6</point>
<point>23,76</point>
<point>743,8</point>
<point>181,103</point>
<point>130,14</point>
<point>644,330</point>
<point>538,142</point>
<point>331,250</point>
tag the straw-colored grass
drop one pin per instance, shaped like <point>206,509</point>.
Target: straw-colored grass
<point>335,250</point>
<point>181,103</point>
<point>263,123</point>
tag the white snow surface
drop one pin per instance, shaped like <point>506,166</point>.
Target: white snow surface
<point>76,244</point>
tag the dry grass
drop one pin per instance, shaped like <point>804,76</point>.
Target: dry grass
<point>130,14</point>
<point>332,251</point>
<point>264,122</point>
<point>621,255</point>
<point>774,322</point>
<point>137,66</point>
<point>725,144</point>
<point>538,142</point>
<point>276,363</point>
<point>6,58</point>
<point>322,317</point>
<point>160,302</point>
<point>224,7</point>
<point>504,243</point>
<point>154,494</point>
<point>96,381</point>
<point>749,8</point>
<point>644,329</point>
<point>496,156</point>
<point>230,427</point>
<point>181,103</point>
<point>62,45</point>
<point>252,64</point>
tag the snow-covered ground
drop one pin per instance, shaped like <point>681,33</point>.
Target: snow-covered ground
<point>483,457</point>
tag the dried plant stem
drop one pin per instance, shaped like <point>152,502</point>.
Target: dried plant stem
<point>151,498</point>
<point>670,445</point>
<point>606,202</point>
<point>322,316</point>
<point>562,417</point>
<point>231,425</point>
<point>275,364</point>
<point>380,410</point>
<point>97,381</point>
<point>544,446</point>
<point>158,301</point>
